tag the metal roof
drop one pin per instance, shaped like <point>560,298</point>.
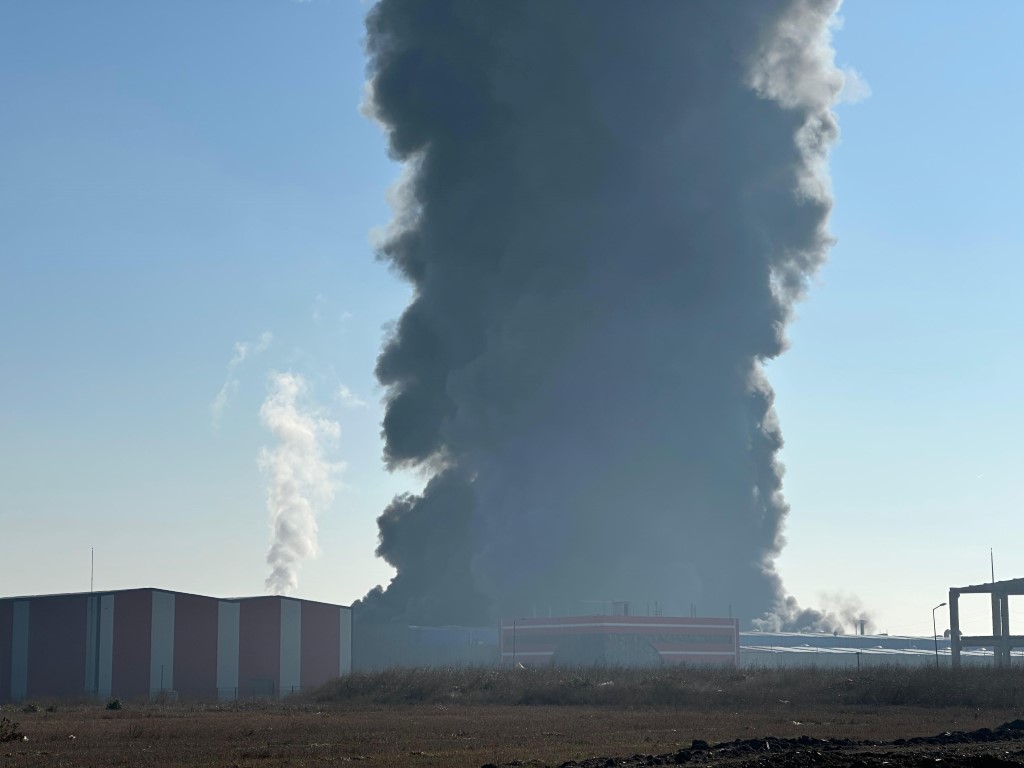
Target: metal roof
<point>870,651</point>
<point>160,589</point>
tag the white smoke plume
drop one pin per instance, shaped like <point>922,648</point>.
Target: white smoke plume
<point>350,399</point>
<point>855,87</point>
<point>841,615</point>
<point>243,351</point>
<point>301,480</point>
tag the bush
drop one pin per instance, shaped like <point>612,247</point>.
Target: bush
<point>9,731</point>
<point>114,704</point>
<point>680,686</point>
<point>30,707</point>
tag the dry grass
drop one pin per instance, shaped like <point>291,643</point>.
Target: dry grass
<point>680,687</point>
<point>354,721</point>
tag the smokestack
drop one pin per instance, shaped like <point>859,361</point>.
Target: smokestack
<point>610,210</point>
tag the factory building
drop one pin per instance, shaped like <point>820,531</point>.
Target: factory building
<point>148,643</point>
<point>143,643</point>
<point>622,640</point>
<point>812,649</point>
<point>376,647</point>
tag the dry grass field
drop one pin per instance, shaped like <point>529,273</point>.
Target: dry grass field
<point>439,718</point>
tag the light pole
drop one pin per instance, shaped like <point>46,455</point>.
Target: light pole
<point>935,634</point>
<point>513,644</point>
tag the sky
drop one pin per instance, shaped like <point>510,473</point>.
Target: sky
<point>189,196</point>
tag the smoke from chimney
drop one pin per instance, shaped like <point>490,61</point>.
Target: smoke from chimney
<point>610,209</point>
<point>300,480</point>
<point>845,615</point>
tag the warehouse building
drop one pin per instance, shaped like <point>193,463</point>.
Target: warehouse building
<point>620,641</point>
<point>807,649</point>
<point>387,646</point>
<point>143,643</point>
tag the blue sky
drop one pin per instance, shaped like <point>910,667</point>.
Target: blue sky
<point>180,178</point>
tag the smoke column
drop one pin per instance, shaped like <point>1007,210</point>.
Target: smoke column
<point>243,351</point>
<point>300,480</point>
<point>610,209</point>
<point>842,616</point>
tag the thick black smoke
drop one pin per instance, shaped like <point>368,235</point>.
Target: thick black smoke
<point>610,210</point>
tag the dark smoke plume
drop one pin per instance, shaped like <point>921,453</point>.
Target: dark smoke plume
<point>609,212</point>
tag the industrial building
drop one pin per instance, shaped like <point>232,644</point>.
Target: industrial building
<point>148,643</point>
<point>386,646</point>
<point>143,643</point>
<point>805,649</point>
<point>529,642</point>
<point>620,641</point>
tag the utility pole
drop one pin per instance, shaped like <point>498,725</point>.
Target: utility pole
<point>935,634</point>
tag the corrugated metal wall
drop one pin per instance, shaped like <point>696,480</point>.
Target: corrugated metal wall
<point>196,641</point>
<point>6,630</point>
<point>143,643</point>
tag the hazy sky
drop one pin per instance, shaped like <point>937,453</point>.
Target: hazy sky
<point>187,198</point>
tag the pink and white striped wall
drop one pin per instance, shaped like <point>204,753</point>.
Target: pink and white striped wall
<point>140,643</point>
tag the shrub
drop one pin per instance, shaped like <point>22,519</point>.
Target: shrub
<point>680,686</point>
<point>114,704</point>
<point>9,731</point>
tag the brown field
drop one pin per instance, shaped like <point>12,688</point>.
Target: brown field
<point>424,718</point>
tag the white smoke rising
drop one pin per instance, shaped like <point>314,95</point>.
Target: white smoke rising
<point>350,399</point>
<point>301,481</point>
<point>243,351</point>
<point>795,65</point>
<point>855,87</point>
<point>842,614</point>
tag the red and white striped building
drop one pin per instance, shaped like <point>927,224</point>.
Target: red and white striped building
<point>620,640</point>
<point>137,643</point>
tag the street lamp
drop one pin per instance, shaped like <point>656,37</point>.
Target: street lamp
<point>513,643</point>
<point>935,634</point>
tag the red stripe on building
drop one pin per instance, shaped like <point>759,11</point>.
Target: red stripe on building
<point>133,627</point>
<point>259,646</point>
<point>56,646</point>
<point>195,646</point>
<point>634,621</point>
<point>6,631</point>
<point>321,638</point>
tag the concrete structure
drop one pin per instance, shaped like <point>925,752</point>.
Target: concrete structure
<point>1001,641</point>
<point>620,641</point>
<point>140,643</point>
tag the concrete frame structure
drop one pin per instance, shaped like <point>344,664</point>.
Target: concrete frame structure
<point>144,643</point>
<point>1001,640</point>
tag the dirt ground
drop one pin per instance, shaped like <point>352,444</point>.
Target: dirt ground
<point>1003,745</point>
<point>440,735</point>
